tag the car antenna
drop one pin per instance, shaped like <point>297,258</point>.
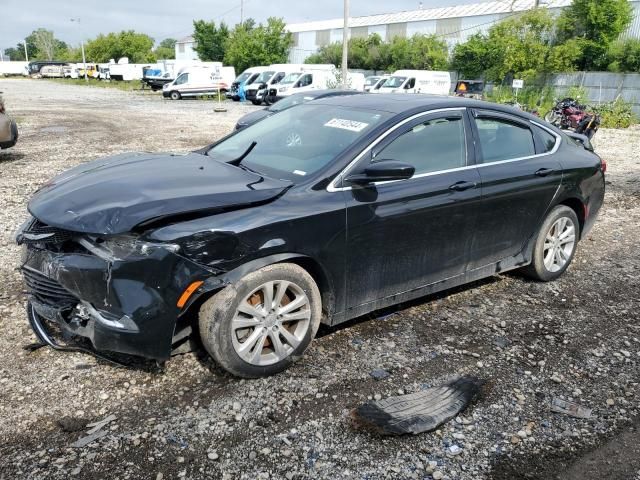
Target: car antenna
<point>236,162</point>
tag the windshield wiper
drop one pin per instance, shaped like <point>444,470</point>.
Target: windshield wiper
<point>236,162</point>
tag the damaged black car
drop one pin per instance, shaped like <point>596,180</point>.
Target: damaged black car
<point>319,214</point>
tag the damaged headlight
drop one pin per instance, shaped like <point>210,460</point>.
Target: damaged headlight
<point>123,246</point>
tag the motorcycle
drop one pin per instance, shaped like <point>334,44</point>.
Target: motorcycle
<point>569,114</point>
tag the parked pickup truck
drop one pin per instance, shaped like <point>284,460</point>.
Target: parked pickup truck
<point>8,129</point>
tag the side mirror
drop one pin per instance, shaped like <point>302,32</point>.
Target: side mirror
<point>383,171</point>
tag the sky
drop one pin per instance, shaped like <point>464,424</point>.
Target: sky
<point>170,18</point>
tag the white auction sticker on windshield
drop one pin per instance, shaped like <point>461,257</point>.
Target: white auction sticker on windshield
<point>351,125</point>
<point>299,172</point>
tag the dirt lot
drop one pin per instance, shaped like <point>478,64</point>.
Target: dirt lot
<point>577,339</point>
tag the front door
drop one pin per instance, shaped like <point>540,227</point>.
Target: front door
<point>403,235</point>
<point>520,176</point>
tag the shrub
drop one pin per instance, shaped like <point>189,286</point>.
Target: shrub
<point>617,114</point>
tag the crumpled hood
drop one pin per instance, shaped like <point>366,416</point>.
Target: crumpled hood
<point>114,194</point>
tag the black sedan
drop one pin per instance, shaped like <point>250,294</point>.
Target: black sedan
<point>319,214</point>
<point>288,102</point>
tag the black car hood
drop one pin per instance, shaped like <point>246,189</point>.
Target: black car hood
<point>112,195</point>
<point>253,117</point>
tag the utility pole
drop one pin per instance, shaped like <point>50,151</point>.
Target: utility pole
<point>26,55</point>
<point>241,11</point>
<point>345,44</point>
<point>84,60</point>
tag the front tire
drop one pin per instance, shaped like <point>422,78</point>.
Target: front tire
<point>553,118</point>
<point>555,245</point>
<point>175,95</point>
<point>263,323</point>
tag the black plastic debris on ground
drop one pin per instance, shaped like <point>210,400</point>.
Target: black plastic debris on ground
<point>419,412</point>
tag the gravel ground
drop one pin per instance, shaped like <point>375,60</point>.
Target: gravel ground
<point>577,338</point>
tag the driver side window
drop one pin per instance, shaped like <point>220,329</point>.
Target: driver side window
<point>305,80</point>
<point>430,146</point>
<point>410,84</point>
<point>182,79</point>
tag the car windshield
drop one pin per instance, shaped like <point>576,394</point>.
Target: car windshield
<point>394,82</point>
<point>370,81</point>
<point>290,102</point>
<point>290,78</point>
<point>264,77</point>
<point>298,141</point>
<point>242,77</point>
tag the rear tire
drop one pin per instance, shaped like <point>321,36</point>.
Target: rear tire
<point>251,341</point>
<point>555,245</point>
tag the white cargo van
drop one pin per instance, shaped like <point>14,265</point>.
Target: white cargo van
<point>310,77</point>
<point>198,81</point>
<point>374,83</point>
<point>258,90</point>
<point>247,77</point>
<point>418,81</point>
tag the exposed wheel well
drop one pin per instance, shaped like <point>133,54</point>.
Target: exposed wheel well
<point>578,207</point>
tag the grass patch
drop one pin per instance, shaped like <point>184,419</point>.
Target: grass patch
<point>127,86</point>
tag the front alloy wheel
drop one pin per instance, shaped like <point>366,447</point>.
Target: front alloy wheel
<point>271,322</point>
<point>264,322</point>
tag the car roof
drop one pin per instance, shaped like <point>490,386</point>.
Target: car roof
<point>398,103</point>
<point>327,92</point>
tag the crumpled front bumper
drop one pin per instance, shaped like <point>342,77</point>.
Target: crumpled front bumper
<point>120,305</point>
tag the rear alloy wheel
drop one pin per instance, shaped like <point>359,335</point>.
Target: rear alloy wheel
<point>263,323</point>
<point>556,244</point>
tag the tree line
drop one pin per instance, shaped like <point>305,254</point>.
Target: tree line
<point>245,45</point>
<point>584,37</point>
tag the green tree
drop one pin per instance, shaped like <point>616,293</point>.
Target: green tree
<point>624,56</point>
<point>598,23</point>
<point>422,52</point>
<point>166,49</point>
<point>14,53</point>
<point>41,45</point>
<point>519,47</point>
<point>428,52</point>
<point>331,53</point>
<point>137,47</point>
<point>471,58</point>
<point>250,45</point>
<point>210,41</point>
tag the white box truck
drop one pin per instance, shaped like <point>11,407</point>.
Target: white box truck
<point>417,81</point>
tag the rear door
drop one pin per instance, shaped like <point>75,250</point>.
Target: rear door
<point>520,175</point>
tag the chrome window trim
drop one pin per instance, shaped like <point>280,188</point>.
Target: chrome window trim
<point>333,188</point>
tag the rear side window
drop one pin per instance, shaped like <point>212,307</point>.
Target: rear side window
<point>548,141</point>
<point>430,146</point>
<point>503,140</point>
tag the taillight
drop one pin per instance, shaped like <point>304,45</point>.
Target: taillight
<point>603,165</point>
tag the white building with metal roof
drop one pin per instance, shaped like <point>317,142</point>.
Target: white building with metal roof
<point>185,49</point>
<point>454,24</point>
